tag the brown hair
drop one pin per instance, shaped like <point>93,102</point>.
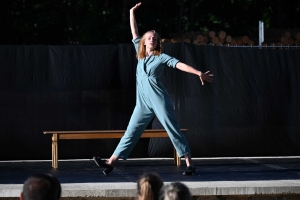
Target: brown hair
<point>148,186</point>
<point>142,49</point>
<point>41,186</point>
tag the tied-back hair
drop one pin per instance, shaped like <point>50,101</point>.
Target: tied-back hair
<point>175,191</point>
<point>148,186</point>
<point>142,49</point>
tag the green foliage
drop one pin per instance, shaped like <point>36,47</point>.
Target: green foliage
<point>90,22</point>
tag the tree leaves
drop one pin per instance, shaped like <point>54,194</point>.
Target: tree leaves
<point>59,22</point>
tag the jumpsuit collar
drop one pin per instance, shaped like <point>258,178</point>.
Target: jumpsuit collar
<point>146,62</point>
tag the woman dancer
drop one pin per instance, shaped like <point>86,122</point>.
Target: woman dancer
<point>152,98</point>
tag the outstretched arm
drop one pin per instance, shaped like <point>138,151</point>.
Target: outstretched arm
<point>133,25</point>
<point>203,76</point>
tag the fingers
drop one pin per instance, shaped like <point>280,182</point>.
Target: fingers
<point>209,79</point>
<point>208,74</point>
<point>202,81</point>
<point>136,6</point>
<point>205,77</point>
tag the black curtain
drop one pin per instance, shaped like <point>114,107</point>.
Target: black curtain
<point>251,108</point>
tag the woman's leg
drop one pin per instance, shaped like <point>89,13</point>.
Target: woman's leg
<point>188,160</point>
<point>137,124</point>
<point>165,114</point>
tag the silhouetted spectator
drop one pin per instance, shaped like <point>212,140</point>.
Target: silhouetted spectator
<point>41,187</point>
<point>175,191</point>
<point>148,186</point>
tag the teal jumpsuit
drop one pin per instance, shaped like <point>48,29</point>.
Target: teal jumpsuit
<point>152,99</point>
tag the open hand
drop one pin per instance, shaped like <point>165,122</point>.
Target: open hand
<point>135,7</point>
<point>206,77</point>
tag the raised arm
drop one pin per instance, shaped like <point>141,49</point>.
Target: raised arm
<point>133,25</point>
<point>203,76</point>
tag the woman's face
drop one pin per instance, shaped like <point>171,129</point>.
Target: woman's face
<point>151,40</point>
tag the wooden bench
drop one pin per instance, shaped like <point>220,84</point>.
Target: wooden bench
<point>102,134</point>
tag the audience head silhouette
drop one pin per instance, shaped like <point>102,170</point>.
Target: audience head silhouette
<point>148,186</point>
<point>41,187</point>
<point>175,191</point>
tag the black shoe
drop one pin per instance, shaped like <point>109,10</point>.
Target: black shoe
<point>102,163</point>
<point>189,171</point>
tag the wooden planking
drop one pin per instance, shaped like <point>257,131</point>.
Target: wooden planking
<point>84,132</point>
<point>106,134</point>
<point>68,136</point>
<point>104,131</point>
<point>63,136</point>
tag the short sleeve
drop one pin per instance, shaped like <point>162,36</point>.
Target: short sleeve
<point>136,43</point>
<point>168,60</point>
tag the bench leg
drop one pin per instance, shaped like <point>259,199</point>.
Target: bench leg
<point>177,160</point>
<point>175,155</point>
<point>54,151</point>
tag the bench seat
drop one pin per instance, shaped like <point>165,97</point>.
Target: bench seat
<point>102,134</point>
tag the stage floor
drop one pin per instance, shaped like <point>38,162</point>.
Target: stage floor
<point>214,176</point>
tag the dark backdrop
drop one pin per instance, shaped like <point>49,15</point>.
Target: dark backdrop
<point>251,108</point>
